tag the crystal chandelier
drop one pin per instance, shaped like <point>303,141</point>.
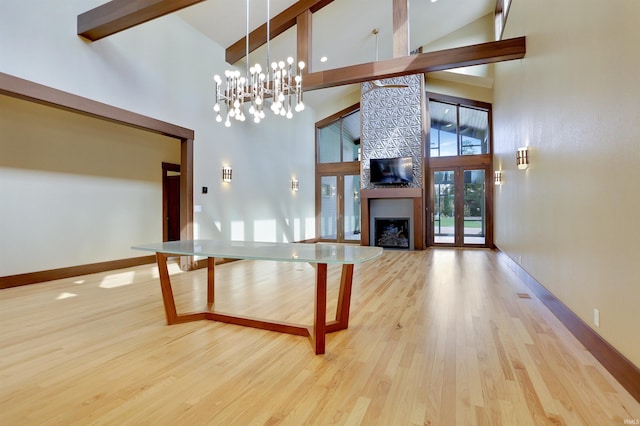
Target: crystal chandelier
<point>281,84</point>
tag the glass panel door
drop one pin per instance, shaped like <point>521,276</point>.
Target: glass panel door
<point>459,207</point>
<point>444,207</point>
<point>351,213</point>
<point>328,208</point>
<point>474,207</point>
<point>339,208</point>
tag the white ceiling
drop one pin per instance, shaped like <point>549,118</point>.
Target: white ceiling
<point>342,31</point>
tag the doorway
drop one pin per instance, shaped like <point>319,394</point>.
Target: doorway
<point>170,202</point>
<point>460,207</point>
<point>338,198</point>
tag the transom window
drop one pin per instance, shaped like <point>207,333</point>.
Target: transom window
<point>339,141</point>
<point>458,129</point>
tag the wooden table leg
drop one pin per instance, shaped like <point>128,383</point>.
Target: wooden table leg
<point>211,279</point>
<point>344,298</point>
<point>320,316</point>
<point>165,285</point>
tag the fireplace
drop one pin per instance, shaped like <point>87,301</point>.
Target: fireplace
<point>392,232</point>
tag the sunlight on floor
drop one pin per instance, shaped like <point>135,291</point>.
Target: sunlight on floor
<point>118,280</point>
<point>65,295</point>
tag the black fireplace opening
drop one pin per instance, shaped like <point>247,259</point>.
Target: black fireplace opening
<point>392,232</point>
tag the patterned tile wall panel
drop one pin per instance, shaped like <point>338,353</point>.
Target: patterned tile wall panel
<point>392,123</point>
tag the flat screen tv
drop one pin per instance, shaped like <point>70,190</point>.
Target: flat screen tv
<point>391,171</point>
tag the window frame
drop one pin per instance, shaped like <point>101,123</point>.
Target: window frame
<point>458,103</point>
<point>468,161</point>
<point>337,117</point>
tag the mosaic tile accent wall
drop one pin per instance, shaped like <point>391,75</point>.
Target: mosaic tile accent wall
<point>392,124</point>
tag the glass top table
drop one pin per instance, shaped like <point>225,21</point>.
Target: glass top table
<point>320,254</point>
<point>288,252</point>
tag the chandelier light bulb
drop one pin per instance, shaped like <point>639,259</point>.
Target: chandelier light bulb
<point>289,114</point>
<point>217,79</point>
<point>290,60</point>
<point>216,107</point>
<point>301,65</point>
<point>218,118</point>
<point>256,119</point>
<point>299,106</point>
<point>281,64</point>
<point>227,123</point>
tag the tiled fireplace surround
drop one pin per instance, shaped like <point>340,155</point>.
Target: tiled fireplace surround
<point>392,126</point>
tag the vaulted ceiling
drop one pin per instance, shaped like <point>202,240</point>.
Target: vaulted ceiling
<point>342,31</point>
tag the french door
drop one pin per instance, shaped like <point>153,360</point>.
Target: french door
<point>460,206</point>
<point>338,198</point>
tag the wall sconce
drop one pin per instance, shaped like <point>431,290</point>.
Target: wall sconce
<point>497,177</point>
<point>295,185</point>
<point>522,158</point>
<point>226,174</point>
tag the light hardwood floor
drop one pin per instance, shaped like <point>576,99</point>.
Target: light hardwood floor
<point>438,337</point>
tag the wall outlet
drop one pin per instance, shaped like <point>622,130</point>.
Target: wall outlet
<point>596,317</point>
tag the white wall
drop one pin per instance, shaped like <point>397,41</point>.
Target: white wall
<point>467,82</point>
<point>479,31</point>
<point>164,69</point>
<point>75,190</point>
<point>571,219</point>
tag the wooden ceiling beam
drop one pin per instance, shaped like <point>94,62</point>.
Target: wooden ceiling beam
<point>477,54</point>
<point>279,24</point>
<point>400,28</point>
<point>118,15</point>
<point>305,30</point>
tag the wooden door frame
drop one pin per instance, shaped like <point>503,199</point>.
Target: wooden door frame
<point>19,88</point>
<point>461,166</point>
<point>340,170</point>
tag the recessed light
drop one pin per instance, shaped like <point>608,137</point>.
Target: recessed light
<point>433,1</point>
<point>323,59</point>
